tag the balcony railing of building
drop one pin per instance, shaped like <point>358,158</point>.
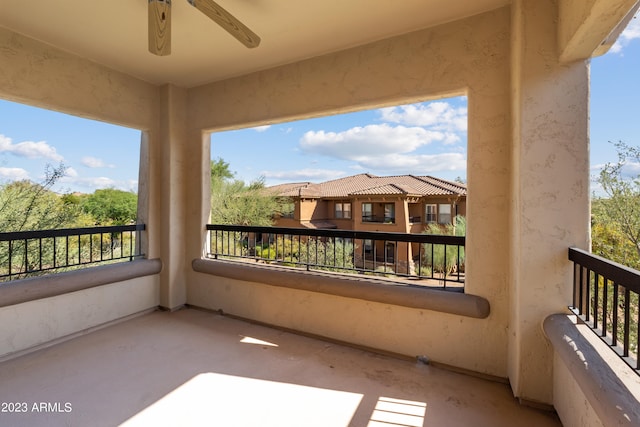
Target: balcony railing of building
<point>32,253</point>
<point>606,298</point>
<point>427,260</point>
<point>379,219</point>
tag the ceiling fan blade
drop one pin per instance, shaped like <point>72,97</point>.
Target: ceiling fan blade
<point>227,21</point>
<point>160,27</point>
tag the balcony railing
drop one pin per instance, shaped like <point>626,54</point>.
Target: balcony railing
<point>379,219</point>
<point>429,260</point>
<point>606,297</point>
<point>32,253</point>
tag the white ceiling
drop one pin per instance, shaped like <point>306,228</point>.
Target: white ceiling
<point>114,32</point>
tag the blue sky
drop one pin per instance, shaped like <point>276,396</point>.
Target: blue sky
<point>420,139</point>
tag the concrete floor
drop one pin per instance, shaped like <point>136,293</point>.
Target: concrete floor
<point>193,368</point>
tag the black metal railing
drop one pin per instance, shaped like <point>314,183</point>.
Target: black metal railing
<point>379,219</point>
<point>436,260</point>
<point>606,297</point>
<point>31,253</point>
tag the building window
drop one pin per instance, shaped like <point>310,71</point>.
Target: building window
<point>288,210</point>
<point>343,210</point>
<point>444,214</point>
<point>390,213</point>
<point>431,214</point>
<point>367,212</point>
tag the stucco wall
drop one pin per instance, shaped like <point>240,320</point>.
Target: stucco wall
<point>468,57</point>
<point>41,321</point>
<point>550,177</point>
<point>572,405</point>
<point>445,338</point>
<point>38,74</point>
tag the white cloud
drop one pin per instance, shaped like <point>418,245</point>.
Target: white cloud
<point>437,115</point>
<point>379,139</point>
<point>29,149</point>
<point>387,149</point>
<point>13,174</point>
<point>70,172</point>
<point>628,170</point>
<point>313,175</point>
<point>417,164</point>
<point>629,34</point>
<point>89,182</point>
<point>94,162</point>
<point>261,128</point>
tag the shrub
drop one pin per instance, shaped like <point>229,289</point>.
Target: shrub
<point>435,257</point>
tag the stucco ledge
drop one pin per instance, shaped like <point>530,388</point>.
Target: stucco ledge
<point>49,285</point>
<point>607,382</point>
<point>349,286</point>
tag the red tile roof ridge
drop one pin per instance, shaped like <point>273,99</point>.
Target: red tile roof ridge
<point>366,183</point>
<point>371,190</point>
<point>438,182</point>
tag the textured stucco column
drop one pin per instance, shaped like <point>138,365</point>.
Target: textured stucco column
<point>170,156</point>
<point>550,189</point>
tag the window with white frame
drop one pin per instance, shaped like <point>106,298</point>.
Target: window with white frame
<point>444,213</point>
<point>343,210</point>
<point>431,213</point>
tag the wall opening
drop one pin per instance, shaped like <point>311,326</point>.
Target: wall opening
<point>380,170</point>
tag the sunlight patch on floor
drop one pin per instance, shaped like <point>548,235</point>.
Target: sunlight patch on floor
<point>391,412</point>
<point>227,400</point>
<point>251,340</point>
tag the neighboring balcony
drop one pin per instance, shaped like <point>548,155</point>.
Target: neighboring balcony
<point>379,219</point>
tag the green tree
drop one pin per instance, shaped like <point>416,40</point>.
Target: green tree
<point>25,205</point>
<point>234,202</point>
<point>111,207</point>
<point>220,170</point>
<point>616,218</point>
<point>434,256</point>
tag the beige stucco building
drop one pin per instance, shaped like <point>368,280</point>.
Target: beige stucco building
<point>365,202</point>
<point>523,65</point>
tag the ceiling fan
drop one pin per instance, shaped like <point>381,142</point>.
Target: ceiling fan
<point>160,24</point>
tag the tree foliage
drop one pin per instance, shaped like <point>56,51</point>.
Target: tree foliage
<point>220,170</point>
<point>235,202</point>
<point>441,259</point>
<point>111,207</point>
<point>616,218</point>
<point>25,205</point>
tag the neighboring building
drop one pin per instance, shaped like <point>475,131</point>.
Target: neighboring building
<point>404,204</point>
<point>365,202</point>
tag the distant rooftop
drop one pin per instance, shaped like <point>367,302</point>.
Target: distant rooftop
<point>367,184</point>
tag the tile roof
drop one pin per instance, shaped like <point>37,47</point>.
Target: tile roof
<point>367,184</point>
<point>296,189</point>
